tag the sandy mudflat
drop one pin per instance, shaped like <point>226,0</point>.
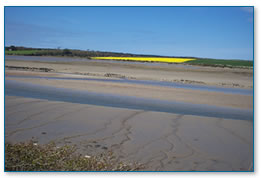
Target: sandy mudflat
<point>165,142</point>
<point>144,91</point>
<point>226,77</point>
<point>162,141</point>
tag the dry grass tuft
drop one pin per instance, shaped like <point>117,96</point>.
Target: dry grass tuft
<point>30,156</point>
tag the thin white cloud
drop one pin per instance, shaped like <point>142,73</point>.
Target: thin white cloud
<point>247,9</point>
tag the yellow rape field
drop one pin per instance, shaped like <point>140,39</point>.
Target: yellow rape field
<point>147,59</point>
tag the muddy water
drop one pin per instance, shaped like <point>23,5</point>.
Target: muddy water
<point>15,88</point>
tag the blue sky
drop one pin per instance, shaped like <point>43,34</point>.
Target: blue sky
<point>214,32</point>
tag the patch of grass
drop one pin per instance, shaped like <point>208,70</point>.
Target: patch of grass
<point>32,157</point>
<point>221,63</point>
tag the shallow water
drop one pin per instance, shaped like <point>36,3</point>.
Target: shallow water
<point>15,88</point>
<point>154,83</point>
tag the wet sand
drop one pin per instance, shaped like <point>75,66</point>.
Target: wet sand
<point>162,141</point>
<point>144,91</point>
<point>29,90</point>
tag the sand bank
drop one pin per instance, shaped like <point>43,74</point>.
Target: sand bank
<point>144,91</point>
<point>240,78</point>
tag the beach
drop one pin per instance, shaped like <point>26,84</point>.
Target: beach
<point>123,107</point>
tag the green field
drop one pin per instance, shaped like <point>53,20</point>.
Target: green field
<point>221,63</point>
<point>22,52</point>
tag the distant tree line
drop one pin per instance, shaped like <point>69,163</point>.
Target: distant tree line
<point>27,51</point>
<point>20,48</point>
<point>67,52</point>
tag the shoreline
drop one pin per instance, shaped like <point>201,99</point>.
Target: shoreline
<point>138,90</point>
<point>239,77</point>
